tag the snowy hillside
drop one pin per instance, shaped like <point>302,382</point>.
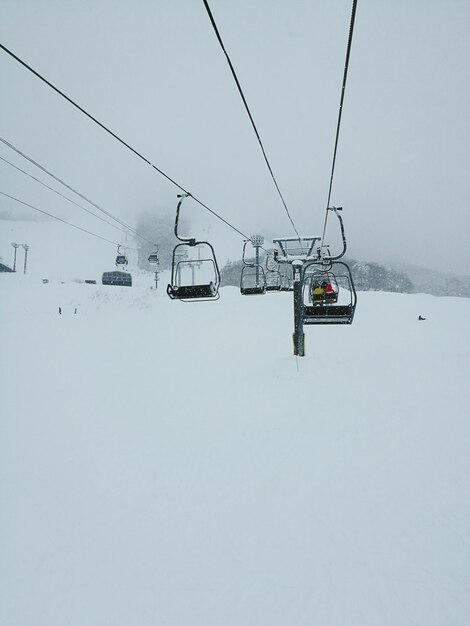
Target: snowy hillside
<point>59,253</point>
<point>173,464</point>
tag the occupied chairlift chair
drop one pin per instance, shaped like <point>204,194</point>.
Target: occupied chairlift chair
<point>253,276</point>
<point>339,306</point>
<point>180,289</point>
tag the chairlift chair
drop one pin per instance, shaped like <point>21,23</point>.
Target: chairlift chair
<point>287,279</point>
<point>337,309</point>
<point>273,275</point>
<point>121,258</point>
<point>186,268</point>
<point>253,276</point>
<point>273,282</point>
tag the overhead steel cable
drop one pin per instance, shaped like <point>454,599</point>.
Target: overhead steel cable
<point>62,195</point>
<point>124,143</point>
<point>56,178</point>
<point>59,218</point>
<point>340,113</point>
<point>242,95</point>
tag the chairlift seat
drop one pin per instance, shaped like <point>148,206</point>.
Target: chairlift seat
<point>330,297</point>
<point>192,292</point>
<point>328,314</point>
<point>325,298</point>
<point>253,291</point>
<point>273,288</point>
<point>121,260</point>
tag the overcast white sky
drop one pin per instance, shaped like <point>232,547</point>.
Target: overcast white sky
<point>153,72</point>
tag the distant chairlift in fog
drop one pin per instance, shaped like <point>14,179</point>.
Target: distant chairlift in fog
<point>118,278</point>
<point>121,258</point>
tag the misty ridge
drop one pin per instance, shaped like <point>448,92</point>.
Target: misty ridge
<point>368,276</point>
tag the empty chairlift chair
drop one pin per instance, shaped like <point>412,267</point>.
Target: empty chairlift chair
<point>194,271</point>
<point>273,274</point>
<point>253,276</point>
<point>121,258</point>
<point>153,257</point>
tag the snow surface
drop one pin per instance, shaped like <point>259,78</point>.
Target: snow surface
<point>164,463</point>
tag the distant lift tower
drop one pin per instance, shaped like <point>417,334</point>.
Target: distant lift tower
<point>257,242</point>
<point>296,252</point>
<point>26,248</point>
<point>15,246</point>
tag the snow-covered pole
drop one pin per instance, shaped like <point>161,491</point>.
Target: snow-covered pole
<point>26,248</point>
<point>257,241</point>
<point>15,246</point>
<point>299,337</point>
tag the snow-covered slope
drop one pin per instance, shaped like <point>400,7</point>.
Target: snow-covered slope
<point>173,464</point>
<point>60,253</point>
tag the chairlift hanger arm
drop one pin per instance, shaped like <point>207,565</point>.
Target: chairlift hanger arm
<point>343,236</point>
<point>188,240</point>
<point>244,253</point>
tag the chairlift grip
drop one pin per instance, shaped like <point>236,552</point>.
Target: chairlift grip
<point>343,236</point>
<point>181,197</point>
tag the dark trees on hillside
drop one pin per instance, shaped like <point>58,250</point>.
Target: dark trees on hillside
<point>375,277</point>
<point>367,277</point>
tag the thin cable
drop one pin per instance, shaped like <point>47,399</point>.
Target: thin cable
<point>59,219</point>
<point>240,91</point>
<point>345,76</point>
<point>124,143</point>
<point>56,178</point>
<point>62,195</point>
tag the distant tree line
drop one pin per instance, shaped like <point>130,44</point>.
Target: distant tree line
<point>445,286</point>
<point>366,276</point>
<point>375,277</point>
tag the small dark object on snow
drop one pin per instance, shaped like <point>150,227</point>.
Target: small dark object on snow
<point>421,318</point>
<point>60,311</point>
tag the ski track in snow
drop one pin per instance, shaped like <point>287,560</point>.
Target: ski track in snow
<point>168,463</point>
